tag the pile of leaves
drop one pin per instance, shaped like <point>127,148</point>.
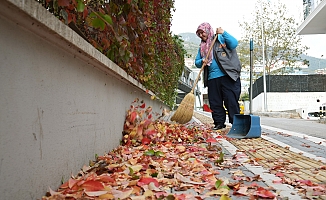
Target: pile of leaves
<point>161,160</point>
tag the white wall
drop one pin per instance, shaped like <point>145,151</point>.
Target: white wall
<point>61,101</point>
<point>289,101</point>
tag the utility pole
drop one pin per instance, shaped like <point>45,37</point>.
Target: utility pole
<point>251,71</point>
<point>264,67</point>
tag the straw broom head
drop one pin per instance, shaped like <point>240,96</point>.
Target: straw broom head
<point>186,108</point>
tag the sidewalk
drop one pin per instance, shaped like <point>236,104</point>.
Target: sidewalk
<point>192,162</point>
<point>286,157</point>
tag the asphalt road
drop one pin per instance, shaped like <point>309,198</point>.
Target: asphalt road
<point>308,127</point>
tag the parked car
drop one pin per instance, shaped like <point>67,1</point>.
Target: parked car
<point>313,115</point>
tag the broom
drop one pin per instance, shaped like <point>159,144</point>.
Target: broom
<point>186,108</point>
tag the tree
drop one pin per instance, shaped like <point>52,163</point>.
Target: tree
<point>281,44</point>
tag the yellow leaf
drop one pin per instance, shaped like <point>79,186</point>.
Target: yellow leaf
<point>106,196</point>
<point>148,193</point>
<point>133,133</point>
<point>136,168</point>
<point>133,161</point>
<point>225,197</point>
<point>219,191</point>
<point>138,197</point>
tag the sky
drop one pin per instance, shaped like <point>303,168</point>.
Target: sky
<point>227,14</point>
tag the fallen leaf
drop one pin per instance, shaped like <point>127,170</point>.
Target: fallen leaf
<point>92,186</point>
<point>261,192</point>
<point>121,194</point>
<point>147,180</point>
<point>219,191</point>
<point>95,193</point>
<point>225,197</point>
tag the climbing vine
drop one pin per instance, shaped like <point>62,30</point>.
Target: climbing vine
<point>135,34</point>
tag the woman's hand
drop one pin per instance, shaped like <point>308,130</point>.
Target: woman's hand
<point>205,61</point>
<point>219,30</point>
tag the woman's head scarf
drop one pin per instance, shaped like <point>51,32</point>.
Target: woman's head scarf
<point>204,46</point>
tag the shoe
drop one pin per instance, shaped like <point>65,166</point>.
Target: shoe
<point>218,127</point>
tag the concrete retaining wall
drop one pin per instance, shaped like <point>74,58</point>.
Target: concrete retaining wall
<point>61,101</point>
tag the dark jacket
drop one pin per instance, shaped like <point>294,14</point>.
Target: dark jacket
<point>227,60</point>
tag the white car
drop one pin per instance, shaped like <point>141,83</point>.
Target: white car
<point>313,116</point>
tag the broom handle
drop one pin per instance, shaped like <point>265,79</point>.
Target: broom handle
<point>203,66</point>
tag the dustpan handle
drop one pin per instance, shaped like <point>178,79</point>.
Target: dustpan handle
<point>203,66</point>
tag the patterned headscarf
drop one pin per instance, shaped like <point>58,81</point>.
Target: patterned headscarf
<point>204,46</point>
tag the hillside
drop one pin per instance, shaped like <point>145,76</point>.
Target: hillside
<point>314,64</point>
<point>190,37</point>
<point>192,41</point>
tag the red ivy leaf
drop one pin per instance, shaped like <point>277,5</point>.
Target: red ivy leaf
<point>63,3</point>
<point>85,13</point>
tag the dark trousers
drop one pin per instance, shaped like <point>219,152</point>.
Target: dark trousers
<point>224,90</point>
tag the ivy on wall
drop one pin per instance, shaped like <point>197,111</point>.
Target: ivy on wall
<point>135,34</point>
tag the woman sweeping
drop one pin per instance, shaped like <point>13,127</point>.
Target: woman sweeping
<point>221,73</point>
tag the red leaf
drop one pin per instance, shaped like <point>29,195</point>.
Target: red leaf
<point>278,181</point>
<point>92,186</point>
<point>63,3</point>
<point>106,179</point>
<point>133,116</point>
<point>143,105</point>
<point>254,184</point>
<point>147,180</point>
<point>306,182</point>
<point>145,141</point>
<point>72,182</point>
<point>264,193</point>
<point>211,140</point>
<point>279,174</point>
<point>64,185</point>
<point>85,13</point>
<point>150,132</point>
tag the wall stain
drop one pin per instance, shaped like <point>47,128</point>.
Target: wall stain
<point>1,164</point>
<point>39,116</point>
<point>83,113</point>
<point>34,136</point>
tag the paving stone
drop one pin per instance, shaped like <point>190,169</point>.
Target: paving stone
<point>305,157</point>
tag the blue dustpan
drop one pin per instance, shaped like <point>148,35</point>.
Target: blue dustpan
<point>245,126</point>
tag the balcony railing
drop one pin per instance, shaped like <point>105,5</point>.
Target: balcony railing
<point>309,6</point>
